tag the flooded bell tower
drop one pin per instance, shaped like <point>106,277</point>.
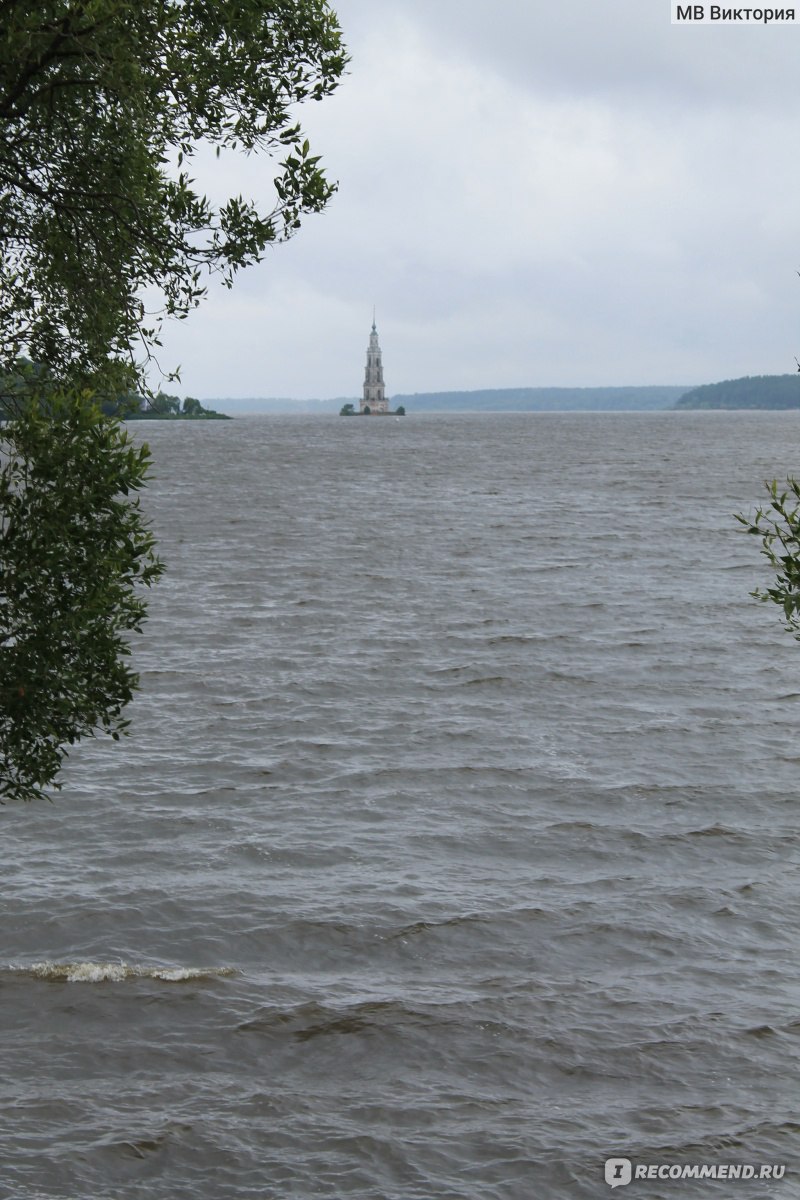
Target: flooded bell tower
<point>374,397</point>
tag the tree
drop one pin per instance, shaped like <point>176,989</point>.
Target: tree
<point>162,403</point>
<point>778,526</point>
<point>103,104</point>
<point>73,548</point>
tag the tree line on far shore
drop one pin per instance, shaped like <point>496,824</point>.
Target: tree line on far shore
<point>751,391</point>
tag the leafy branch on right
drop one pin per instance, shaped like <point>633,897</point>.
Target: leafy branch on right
<point>778,526</point>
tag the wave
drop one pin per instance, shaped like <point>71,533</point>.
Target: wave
<point>390,1016</point>
<point>116,972</point>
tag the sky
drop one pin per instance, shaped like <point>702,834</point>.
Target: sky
<point>530,194</point>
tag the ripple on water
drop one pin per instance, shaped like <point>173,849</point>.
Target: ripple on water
<point>449,853</point>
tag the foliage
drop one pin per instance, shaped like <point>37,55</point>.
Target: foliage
<point>17,383</point>
<point>778,526</point>
<point>73,548</point>
<point>122,404</point>
<point>347,410</point>
<point>165,404</point>
<point>400,411</point>
<point>169,408</point>
<point>103,104</point>
<point>751,391</point>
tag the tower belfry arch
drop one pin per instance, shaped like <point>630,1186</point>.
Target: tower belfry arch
<point>373,399</point>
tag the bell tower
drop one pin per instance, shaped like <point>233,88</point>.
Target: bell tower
<point>374,397</point>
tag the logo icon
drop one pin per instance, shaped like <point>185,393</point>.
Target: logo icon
<point>618,1171</point>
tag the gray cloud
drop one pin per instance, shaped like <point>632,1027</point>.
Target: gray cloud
<point>533,195</point>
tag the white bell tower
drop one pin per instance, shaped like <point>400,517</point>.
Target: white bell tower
<point>374,397</point>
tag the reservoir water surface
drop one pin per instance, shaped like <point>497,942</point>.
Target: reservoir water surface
<point>455,845</point>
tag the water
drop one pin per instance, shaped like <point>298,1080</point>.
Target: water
<point>455,847</point>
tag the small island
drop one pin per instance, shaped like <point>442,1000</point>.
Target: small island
<point>167,408</point>
<point>349,410</point>
<point>27,377</point>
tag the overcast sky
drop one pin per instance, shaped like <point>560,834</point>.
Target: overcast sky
<point>534,193</point>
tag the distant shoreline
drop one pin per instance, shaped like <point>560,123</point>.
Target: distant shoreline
<point>764,392</point>
<point>616,399</point>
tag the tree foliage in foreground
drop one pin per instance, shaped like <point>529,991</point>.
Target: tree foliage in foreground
<point>73,548</point>
<point>778,526</point>
<point>103,104</point>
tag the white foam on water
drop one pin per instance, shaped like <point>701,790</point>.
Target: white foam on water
<point>117,972</point>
